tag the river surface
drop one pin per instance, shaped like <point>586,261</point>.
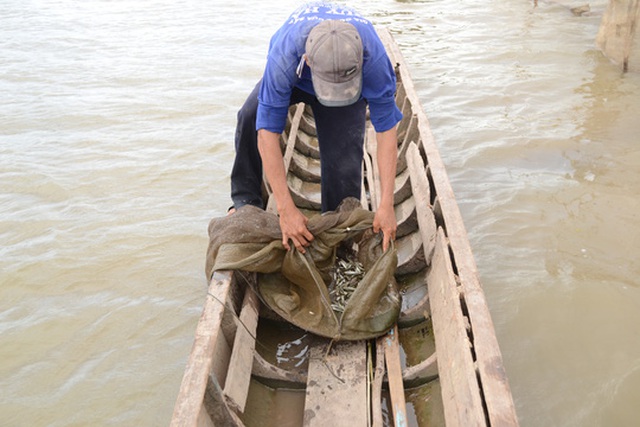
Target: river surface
<point>116,128</point>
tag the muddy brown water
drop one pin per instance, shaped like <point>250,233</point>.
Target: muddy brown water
<point>116,128</point>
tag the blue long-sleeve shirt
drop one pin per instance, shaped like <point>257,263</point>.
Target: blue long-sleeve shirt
<point>285,52</point>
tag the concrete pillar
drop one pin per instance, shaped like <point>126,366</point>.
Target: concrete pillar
<point>619,35</point>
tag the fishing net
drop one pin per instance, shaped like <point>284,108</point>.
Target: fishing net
<point>296,285</point>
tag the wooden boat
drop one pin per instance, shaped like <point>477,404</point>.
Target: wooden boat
<point>441,364</point>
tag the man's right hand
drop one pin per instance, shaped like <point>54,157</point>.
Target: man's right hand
<point>293,224</point>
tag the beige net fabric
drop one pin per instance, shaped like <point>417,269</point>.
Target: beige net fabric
<point>294,285</point>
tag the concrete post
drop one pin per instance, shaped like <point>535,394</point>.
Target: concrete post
<point>619,37</point>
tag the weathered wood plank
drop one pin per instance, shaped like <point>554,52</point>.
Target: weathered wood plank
<point>376,386</point>
<point>413,132</point>
<point>400,92</point>
<point>422,196</point>
<point>460,388</point>
<point>412,135</point>
<point>394,376</point>
<point>402,187</point>
<point>364,201</point>
<point>304,194</point>
<point>308,122</point>
<point>291,140</point>
<point>370,177</point>
<point>410,254</point>
<point>422,372</point>
<point>306,168</point>
<point>405,107</point>
<point>288,145</point>
<point>415,300</point>
<point>371,147</point>
<point>221,354</point>
<point>405,213</point>
<point>188,405</point>
<point>216,406</point>
<point>308,145</point>
<point>337,386</point>
<point>239,373</point>
<point>275,377</point>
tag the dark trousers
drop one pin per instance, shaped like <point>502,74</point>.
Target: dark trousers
<point>340,138</point>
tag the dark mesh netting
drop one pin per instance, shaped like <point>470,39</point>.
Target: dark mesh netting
<point>295,285</point>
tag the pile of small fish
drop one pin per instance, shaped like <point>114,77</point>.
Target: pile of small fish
<point>346,276</point>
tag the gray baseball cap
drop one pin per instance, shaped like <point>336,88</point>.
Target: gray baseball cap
<point>334,54</point>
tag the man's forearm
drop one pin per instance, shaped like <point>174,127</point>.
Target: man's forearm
<point>385,219</point>
<point>387,153</point>
<point>272,163</point>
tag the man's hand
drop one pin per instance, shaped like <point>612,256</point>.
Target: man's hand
<point>385,221</point>
<point>293,224</point>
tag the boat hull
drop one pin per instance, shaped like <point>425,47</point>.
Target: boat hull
<point>247,367</point>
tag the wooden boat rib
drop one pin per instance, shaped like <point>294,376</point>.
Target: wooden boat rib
<point>444,309</point>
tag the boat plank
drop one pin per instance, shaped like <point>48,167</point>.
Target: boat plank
<point>410,254</point>
<point>337,386</point>
<point>274,377</point>
<point>370,179</point>
<point>405,108</point>
<point>422,372</point>
<point>376,388</point>
<point>420,189</point>
<point>405,213</point>
<point>460,388</point>
<point>305,167</point>
<point>308,145</point>
<point>291,140</point>
<point>239,373</point>
<point>415,301</point>
<point>371,147</point>
<point>402,187</point>
<point>216,406</point>
<point>305,194</point>
<point>394,375</point>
